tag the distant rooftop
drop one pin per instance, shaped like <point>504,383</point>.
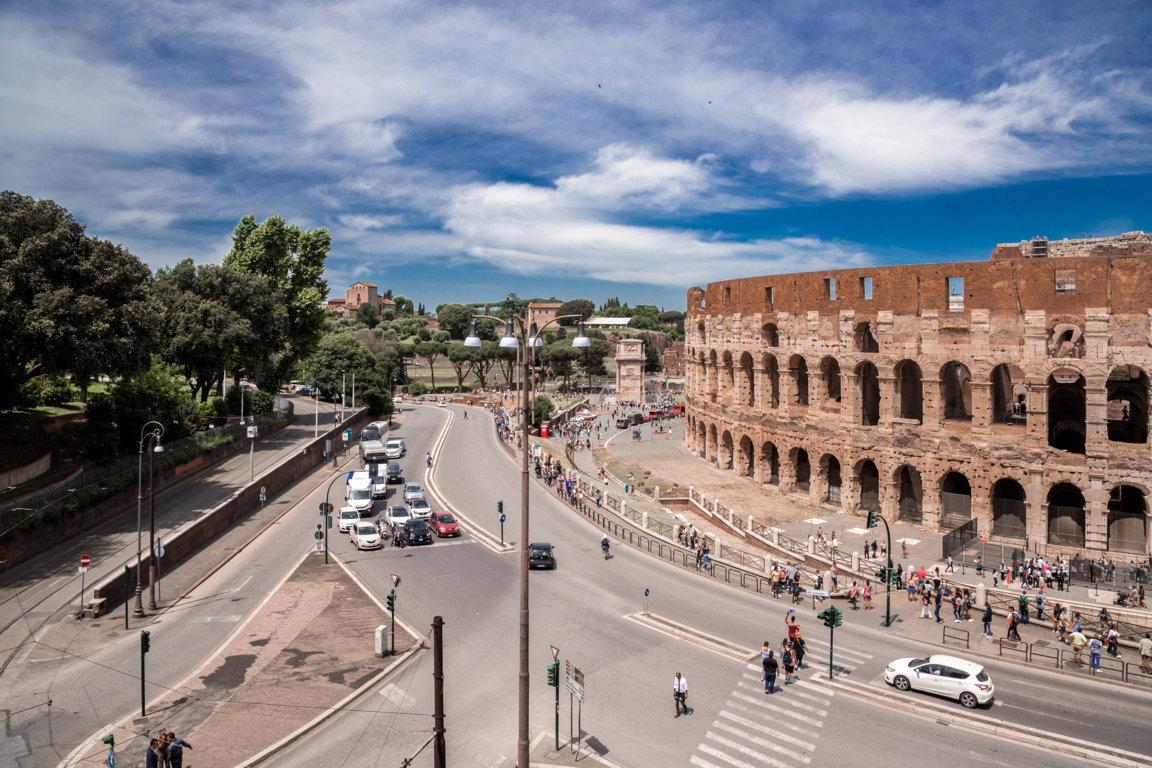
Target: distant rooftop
<point>608,322</point>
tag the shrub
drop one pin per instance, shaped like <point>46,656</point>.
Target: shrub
<point>255,402</point>
<point>57,390</point>
<point>417,388</point>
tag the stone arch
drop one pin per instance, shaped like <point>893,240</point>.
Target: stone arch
<point>1066,340</point>
<point>868,382</point>
<point>868,480</point>
<point>830,472</point>
<point>701,439</point>
<point>909,390</point>
<point>801,469</point>
<point>713,444</point>
<point>770,462</point>
<point>830,372</point>
<point>713,374</point>
<point>1007,390</point>
<point>798,370</point>
<point>746,457</point>
<point>770,335</point>
<point>726,451</point>
<point>956,391</point>
<point>701,333</point>
<point>772,379</point>
<point>1127,520</point>
<point>748,380</point>
<point>1127,390</point>
<point>1067,410</point>
<point>955,500</point>
<point>909,494</point>
<point>1066,515</point>
<point>865,339</point>
<point>728,378</point>
<point>1009,509</point>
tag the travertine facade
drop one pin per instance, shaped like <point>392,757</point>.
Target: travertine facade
<point>1012,391</point>
<point>630,370</point>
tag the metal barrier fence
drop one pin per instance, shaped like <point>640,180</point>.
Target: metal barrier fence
<point>1043,653</point>
<point>956,636</point>
<point>958,538</point>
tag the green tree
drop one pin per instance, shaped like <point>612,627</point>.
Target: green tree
<point>513,306</point>
<point>403,305</point>
<point>594,355</point>
<point>430,352</point>
<point>542,409</point>
<point>506,359</point>
<point>293,260</point>
<point>157,393</point>
<point>463,359</point>
<point>456,319</point>
<point>582,307</point>
<point>69,303</point>
<point>337,356</point>
<point>369,315</point>
<point>652,362</point>
<point>483,360</point>
<point>560,356</point>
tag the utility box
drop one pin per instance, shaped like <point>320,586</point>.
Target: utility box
<point>381,646</point>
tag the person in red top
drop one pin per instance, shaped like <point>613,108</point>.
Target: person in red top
<point>790,623</point>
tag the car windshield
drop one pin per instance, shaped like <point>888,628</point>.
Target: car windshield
<point>412,488</point>
<point>421,503</point>
<point>417,526</point>
<point>917,662</point>
<point>444,517</point>
<point>399,512</point>
<point>360,493</point>
<point>392,444</point>
<point>349,514</point>
<point>366,530</point>
<point>541,551</point>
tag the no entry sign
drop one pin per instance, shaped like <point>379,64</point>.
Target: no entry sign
<point>85,561</point>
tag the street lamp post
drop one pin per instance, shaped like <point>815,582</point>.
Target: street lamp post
<point>153,564</point>
<point>532,339</point>
<point>154,436</point>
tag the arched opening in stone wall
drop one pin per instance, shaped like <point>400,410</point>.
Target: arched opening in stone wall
<point>1009,509</point>
<point>701,333</point>
<point>1127,405</point>
<point>830,372</point>
<point>955,500</point>
<point>728,379</point>
<point>1008,406</point>
<point>770,335</point>
<point>747,457</point>
<point>748,379</point>
<point>1067,410</point>
<point>868,478</point>
<point>772,376</point>
<point>798,368</point>
<point>770,461</point>
<point>830,468</point>
<point>956,391</point>
<point>909,390</point>
<point>909,494</point>
<point>701,439</point>
<point>713,445</point>
<point>1066,516</point>
<point>865,339</point>
<point>713,376</point>
<point>802,469</point>
<point>868,380</point>
<point>726,448</point>
<point>1127,520</point>
<point>702,373</point>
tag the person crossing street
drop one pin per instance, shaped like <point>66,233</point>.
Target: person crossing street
<point>680,694</point>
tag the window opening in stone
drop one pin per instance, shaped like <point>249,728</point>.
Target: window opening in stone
<point>770,295</point>
<point>1127,520</point>
<point>1009,509</point>
<point>1066,516</point>
<point>869,381</point>
<point>956,391</point>
<point>869,478</point>
<point>830,288</point>
<point>770,334</point>
<point>831,468</point>
<point>713,377</point>
<point>1008,401</point>
<point>746,457</point>
<point>866,288</point>
<point>955,500</point>
<point>955,294</point>
<point>701,333</point>
<point>1067,409</point>
<point>770,461</point>
<point>803,470</point>
<point>727,294</point>
<point>702,439</point>
<point>909,392</point>
<point>726,451</point>
<point>865,339</point>
<point>799,379</point>
<point>748,379</point>
<point>1127,390</point>
<point>830,372</point>
<point>1065,281</point>
<point>772,372</point>
<point>908,494</point>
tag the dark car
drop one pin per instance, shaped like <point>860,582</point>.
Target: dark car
<point>419,532</point>
<point>540,555</point>
<point>395,473</point>
<point>623,422</point>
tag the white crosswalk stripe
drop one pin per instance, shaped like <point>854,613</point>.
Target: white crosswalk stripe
<point>766,730</point>
<point>799,693</point>
<point>761,742</point>
<point>778,724</point>
<point>793,704</point>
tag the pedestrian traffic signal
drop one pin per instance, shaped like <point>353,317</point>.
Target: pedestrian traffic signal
<point>328,521</point>
<point>392,601</point>
<point>831,617</point>
<point>554,674</point>
<point>882,574</point>
<point>873,518</point>
<point>145,643</point>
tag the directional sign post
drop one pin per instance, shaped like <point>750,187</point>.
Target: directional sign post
<point>575,683</point>
<point>159,552</point>
<point>84,562</point>
<point>503,519</point>
<point>553,670</point>
<point>647,594</point>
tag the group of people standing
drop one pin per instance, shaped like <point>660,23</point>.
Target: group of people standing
<point>165,751</point>
<point>792,649</point>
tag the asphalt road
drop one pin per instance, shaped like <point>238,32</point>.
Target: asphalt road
<point>582,607</point>
<point>91,684</point>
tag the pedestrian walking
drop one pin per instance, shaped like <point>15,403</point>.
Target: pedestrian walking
<point>904,550</point>
<point>868,595</point>
<point>1112,641</point>
<point>987,620</point>
<point>937,599</point>
<point>680,694</point>
<point>925,605</point>
<point>1013,625</point>
<point>800,646</point>
<point>1095,645</point>
<point>771,667</point>
<point>789,661</point>
<point>951,567</point>
<point>165,738</point>
<point>1146,654</point>
<point>175,751</point>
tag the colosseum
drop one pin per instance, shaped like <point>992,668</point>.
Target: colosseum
<point>1012,392</point>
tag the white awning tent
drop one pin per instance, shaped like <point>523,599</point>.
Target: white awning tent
<point>607,322</point>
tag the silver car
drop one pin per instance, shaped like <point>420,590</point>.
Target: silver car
<point>420,508</point>
<point>413,491</point>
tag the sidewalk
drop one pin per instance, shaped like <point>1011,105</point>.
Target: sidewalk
<point>308,647</point>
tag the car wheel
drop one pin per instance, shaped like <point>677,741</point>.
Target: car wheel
<point>969,700</point>
<point>902,683</point>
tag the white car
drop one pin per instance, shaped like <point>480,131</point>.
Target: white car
<point>349,518</point>
<point>413,491</point>
<point>367,536</point>
<point>398,515</point>
<point>395,448</point>
<point>420,508</point>
<point>947,676</point>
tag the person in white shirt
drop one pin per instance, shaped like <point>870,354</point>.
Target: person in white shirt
<point>680,693</point>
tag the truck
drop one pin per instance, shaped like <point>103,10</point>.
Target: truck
<point>376,463</point>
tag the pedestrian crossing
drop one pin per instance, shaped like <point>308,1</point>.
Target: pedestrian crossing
<point>756,730</point>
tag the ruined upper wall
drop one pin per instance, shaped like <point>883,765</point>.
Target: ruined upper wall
<point>1117,277</point>
<point>1128,244</point>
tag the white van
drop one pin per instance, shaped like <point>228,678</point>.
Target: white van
<point>358,493</point>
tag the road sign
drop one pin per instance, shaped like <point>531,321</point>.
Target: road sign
<point>159,547</point>
<point>575,684</point>
<point>318,535</point>
<point>85,561</point>
<point>395,579</point>
<point>647,592</point>
<point>252,431</point>
<point>263,494</point>
<point>503,518</point>
<point>555,652</point>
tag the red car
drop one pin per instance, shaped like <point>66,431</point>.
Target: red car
<point>443,524</point>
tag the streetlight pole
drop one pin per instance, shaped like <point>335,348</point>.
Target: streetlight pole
<point>531,337</point>
<point>153,568</point>
<point>316,408</point>
<point>156,434</point>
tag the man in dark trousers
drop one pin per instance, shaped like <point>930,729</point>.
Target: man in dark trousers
<point>176,752</point>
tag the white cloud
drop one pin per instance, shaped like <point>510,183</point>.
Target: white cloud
<point>362,223</point>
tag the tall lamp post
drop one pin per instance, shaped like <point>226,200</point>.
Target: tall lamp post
<point>531,337</point>
<point>152,436</point>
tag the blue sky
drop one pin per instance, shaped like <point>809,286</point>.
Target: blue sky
<point>458,152</point>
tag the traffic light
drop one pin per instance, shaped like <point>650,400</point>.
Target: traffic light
<point>554,674</point>
<point>873,518</point>
<point>831,617</point>
<point>145,643</point>
<point>392,601</point>
<point>500,507</point>
<point>328,521</point>
<point>882,574</point>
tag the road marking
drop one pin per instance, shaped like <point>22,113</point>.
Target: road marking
<point>701,762</point>
<point>242,584</point>
<point>822,646</point>
<point>397,695</point>
<point>747,751</point>
<point>761,742</point>
<point>711,750</point>
<point>813,686</point>
<point>781,710</point>
<point>767,731</point>
<point>776,723</point>
<point>794,704</point>
<point>801,694</point>
<point>1044,714</point>
<point>687,634</point>
<point>230,618</point>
